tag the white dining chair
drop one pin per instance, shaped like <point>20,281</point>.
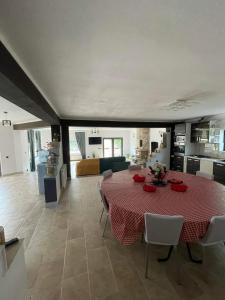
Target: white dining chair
<point>214,235</point>
<point>161,230</point>
<point>104,209</point>
<point>205,175</point>
<point>134,167</point>
<point>107,174</point>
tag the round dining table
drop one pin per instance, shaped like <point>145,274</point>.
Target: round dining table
<point>128,202</point>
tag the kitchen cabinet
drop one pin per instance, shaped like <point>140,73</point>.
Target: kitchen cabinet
<point>206,166</point>
<point>200,132</point>
<point>219,172</point>
<point>177,163</point>
<point>193,165</point>
<point>216,135</point>
<point>180,129</point>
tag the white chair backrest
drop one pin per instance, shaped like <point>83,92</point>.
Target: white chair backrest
<point>99,184</point>
<point>162,229</point>
<point>134,167</point>
<point>107,173</point>
<point>105,203</point>
<point>215,232</point>
<point>205,175</point>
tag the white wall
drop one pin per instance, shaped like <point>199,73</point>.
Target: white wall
<point>133,141</point>
<point>14,144</point>
<point>163,155</point>
<point>127,135</point>
<point>46,136</point>
<point>8,160</point>
<point>155,135</point>
<point>98,149</point>
<point>21,151</point>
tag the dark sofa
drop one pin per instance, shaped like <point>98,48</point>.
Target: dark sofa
<point>114,163</point>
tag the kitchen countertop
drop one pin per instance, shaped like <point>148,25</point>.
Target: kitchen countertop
<point>207,158</point>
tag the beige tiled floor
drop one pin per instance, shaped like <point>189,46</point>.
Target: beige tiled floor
<point>67,259</point>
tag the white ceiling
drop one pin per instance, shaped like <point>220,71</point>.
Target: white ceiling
<point>15,114</point>
<point>121,59</point>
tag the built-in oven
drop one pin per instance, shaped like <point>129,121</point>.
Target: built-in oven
<point>179,144</point>
<point>179,149</point>
<point>180,139</point>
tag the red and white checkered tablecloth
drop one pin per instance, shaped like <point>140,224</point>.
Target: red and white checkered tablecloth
<point>128,203</point>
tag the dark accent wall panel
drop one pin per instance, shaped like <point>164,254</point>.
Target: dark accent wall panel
<point>66,148</point>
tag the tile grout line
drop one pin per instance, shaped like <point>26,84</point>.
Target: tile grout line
<point>64,260</point>
<point>35,228</point>
<point>114,276</point>
<point>22,224</point>
<point>89,281</point>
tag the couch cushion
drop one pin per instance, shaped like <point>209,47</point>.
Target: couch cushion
<point>106,163</point>
<point>120,165</point>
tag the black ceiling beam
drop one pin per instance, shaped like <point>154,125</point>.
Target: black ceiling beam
<point>30,125</point>
<point>125,124</point>
<point>16,87</point>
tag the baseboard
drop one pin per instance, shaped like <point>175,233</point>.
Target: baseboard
<point>10,174</point>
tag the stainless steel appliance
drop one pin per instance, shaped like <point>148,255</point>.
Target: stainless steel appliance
<point>179,145</point>
<point>180,139</point>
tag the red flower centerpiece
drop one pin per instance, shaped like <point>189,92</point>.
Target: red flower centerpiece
<point>159,172</point>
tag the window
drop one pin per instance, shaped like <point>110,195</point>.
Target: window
<point>112,147</point>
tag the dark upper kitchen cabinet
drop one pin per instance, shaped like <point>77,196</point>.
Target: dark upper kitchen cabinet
<point>193,165</point>
<point>200,132</point>
<point>219,172</point>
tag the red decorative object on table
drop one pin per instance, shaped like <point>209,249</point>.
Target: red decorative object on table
<point>149,188</point>
<point>175,181</point>
<point>179,187</point>
<point>138,178</point>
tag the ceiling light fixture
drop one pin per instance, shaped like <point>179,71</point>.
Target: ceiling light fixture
<point>6,122</point>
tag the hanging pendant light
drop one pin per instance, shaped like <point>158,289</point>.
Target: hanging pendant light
<point>6,122</point>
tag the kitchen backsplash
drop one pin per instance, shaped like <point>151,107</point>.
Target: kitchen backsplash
<point>211,150</point>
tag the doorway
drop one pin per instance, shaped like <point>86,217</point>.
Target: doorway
<point>112,147</point>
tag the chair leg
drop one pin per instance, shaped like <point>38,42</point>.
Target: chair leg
<point>146,260</point>
<point>197,261</point>
<point>101,215</point>
<point>168,256</point>
<point>106,221</point>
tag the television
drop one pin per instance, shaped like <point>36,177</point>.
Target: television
<point>95,140</point>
